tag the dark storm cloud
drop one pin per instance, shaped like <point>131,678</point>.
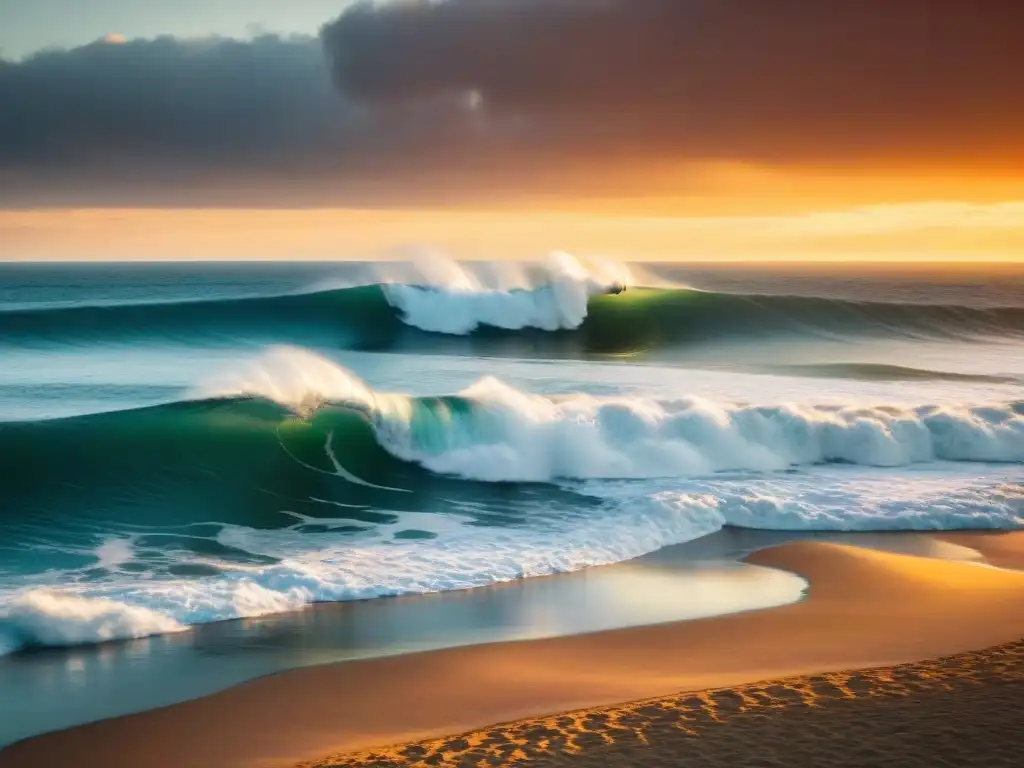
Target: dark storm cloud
<point>213,100</point>
<point>135,115</point>
<point>784,79</point>
<point>475,94</point>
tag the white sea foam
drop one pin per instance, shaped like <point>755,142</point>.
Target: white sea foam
<point>634,517</point>
<point>332,567</point>
<point>436,293</point>
<point>113,552</point>
<point>291,376</point>
<point>456,300</point>
<point>43,617</point>
<point>848,499</point>
<point>500,433</point>
<point>508,435</point>
<point>661,471</point>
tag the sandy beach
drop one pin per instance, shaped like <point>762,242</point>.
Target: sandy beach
<point>483,384</point>
<point>959,710</point>
<point>865,609</point>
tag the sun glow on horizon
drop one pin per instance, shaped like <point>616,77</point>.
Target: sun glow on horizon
<point>924,231</point>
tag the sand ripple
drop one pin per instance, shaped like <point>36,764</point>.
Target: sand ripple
<point>959,711</point>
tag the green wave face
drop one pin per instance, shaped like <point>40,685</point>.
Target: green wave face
<point>654,319</point>
<point>355,318</point>
<point>636,321</point>
<point>178,473</point>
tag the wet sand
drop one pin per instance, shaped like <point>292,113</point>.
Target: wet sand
<point>865,609</point>
<point>52,689</point>
<point>1003,550</point>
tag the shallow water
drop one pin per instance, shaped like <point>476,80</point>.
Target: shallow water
<point>57,688</point>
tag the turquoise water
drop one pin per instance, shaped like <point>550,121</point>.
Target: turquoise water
<point>183,444</point>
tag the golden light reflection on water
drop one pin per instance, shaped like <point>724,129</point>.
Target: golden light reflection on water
<point>61,688</point>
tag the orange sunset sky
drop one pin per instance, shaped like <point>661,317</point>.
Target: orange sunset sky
<point>697,130</point>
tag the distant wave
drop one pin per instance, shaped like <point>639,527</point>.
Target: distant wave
<point>561,308</point>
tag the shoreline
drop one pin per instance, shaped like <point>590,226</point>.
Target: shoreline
<point>61,688</point>
<point>865,609</point>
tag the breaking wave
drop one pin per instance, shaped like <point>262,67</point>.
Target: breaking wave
<point>293,481</point>
<point>562,306</point>
<point>291,398</point>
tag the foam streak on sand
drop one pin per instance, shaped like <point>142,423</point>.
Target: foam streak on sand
<point>865,608</point>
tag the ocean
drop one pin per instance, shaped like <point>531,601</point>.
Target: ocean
<point>183,444</point>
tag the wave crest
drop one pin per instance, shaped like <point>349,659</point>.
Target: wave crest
<point>290,376</point>
<point>494,432</point>
<point>460,302</point>
<point>280,490</point>
<point>441,305</point>
<point>44,618</point>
